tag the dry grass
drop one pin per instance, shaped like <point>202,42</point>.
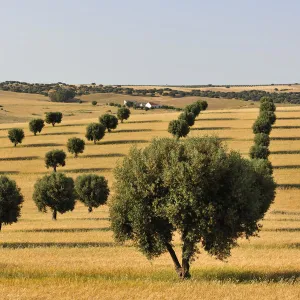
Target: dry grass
<point>76,256</point>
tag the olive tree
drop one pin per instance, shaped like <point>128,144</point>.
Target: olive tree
<point>95,132</point>
<point>55,158</point>
<point>193,189</point>
<point>123,113</point>
<point>267,106</point>
<point>109,121</point>
<point>11,201</point>
<point>179,128</point>
<point>55,191</point>
<point>36,125</point>
<point>92,190</point>
<point>53,118</point>
<point>262,125</point>
<point>75,146</point>
<point>189,117</point>
<point>193,108</point>
<point>16,135</point>
<point>259,151</point>
<point>269,115</point>
<point>262,139</point>
<point>202,104</point>
<point>94,102</point>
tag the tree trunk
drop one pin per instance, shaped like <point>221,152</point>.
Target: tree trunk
<point>15,144</point>
<point>90,209</point>
<point>186,268</point>
<point>53,124</point>
<point>34,133</point>
<point>95,142</point>
<point>76,155</point>
<point>108,130</point>
<point>54,168</point>
<point>0,226</point>
<point>54,215</point>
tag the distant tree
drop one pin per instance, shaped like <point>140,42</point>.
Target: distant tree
<point>11,201</point>
<point>123,113</point>
<point>179,128</point>
<point>75,145</point>
<point>55,158</point>
<point>267,106</point>
<point>36,125</point>
<point>56,192</point>
<point>262,139</point>
<point>270,115</point>
<point>262,125</point>
<point>109,121</point>
<point>265,99</point>
<point>193,108</point>
<point>16,136</point>
<point>61,95</point>
<point>95,132</point>
<point>189,117</point>
<point>193,189</point>
<point>202,104</point>
<point>259,152</point>
<point>92,190</point>
<point>94,103</point>
<point>53,118</point>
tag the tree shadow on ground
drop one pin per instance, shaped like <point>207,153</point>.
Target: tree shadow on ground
<point>9,172</point>
<point>86,170</point>
<point>123,142</point>
<point>103,155</point>
<point>19,158</point>
<point>25,245</point>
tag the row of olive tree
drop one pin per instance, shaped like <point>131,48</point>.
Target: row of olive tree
<point>56,192</point>
<point>262,128</point>
<point>181,127</point>
<point>16,135</point>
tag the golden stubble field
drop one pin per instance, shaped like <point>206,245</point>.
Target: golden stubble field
<point>75,257</point>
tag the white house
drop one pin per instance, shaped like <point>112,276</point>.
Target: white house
<point>152,105</point>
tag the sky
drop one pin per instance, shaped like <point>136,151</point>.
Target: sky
<point>150,42</point>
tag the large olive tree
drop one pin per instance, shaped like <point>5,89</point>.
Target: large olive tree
<point>194,188</point>
<point>56,192</point>
<point>109,121</point>
<point>11,201</point>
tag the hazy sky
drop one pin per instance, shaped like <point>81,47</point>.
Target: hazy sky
<point>150,42</point>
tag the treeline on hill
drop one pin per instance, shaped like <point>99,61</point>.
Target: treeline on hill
<point>62,92</point>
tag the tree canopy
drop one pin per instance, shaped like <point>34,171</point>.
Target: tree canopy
<point>11,201</point>
<point>109,121</point>
<point>123,113</point>
<point>36,125</point>
<point>56,192</point>
<point>95,132</point>
<point>193,188</point>
<point>189,117</point>
<point>16,135</point>
<point>179,128</point>
<point>92,190</point>
<point>55,158</point>
<point>61,94</point>
<point>53,118</point>
<point>75,146</point>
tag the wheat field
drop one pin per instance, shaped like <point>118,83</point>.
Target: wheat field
<point>76,257</point>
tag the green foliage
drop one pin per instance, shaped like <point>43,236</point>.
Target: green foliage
<point>202,104</point>
<point>95,132</point>
<point>61,95</point>
<point>56,192</point>
<point>259,152</point>
<point>267,106</point>
<point>75,145</point>
<point>123,113</point>
<point>265,99</point>
<point>11,201</point>
<point>16,136</point>
<point>193,108</point>
<point>55,158</point>
<point>53,117</point>
<point>36,125</point>
<point>193,188</point>
<point>179,128</point>
<point>262,139</point>
<point>269,115</point>
<point>188,117</point>
<point>109,121</point>
<point>92,190</point>
<point>262,125</point>
<point>94,103</point>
